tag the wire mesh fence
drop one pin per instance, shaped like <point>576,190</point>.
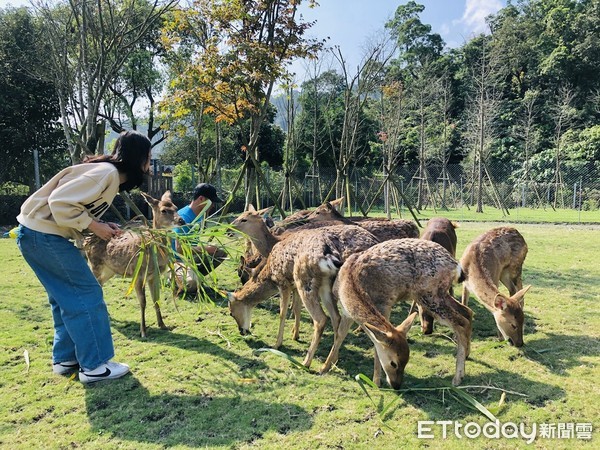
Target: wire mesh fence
<point>570,194</point>
<point>500,191</point>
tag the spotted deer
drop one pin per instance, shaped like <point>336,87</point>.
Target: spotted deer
<point>262,239</point>
<point>304,261</point>
<point>383,229</point>
<point>498,255</point>
<point>300,218</point>
<point>370,283</point>
<point>442,231</point>
<point>119,255</point>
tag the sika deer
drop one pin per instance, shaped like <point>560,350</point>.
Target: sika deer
<point>305,261</point>
<point>498,255</point>
<point>440,230</point>
<point>299,218</point>
<point>119,255</point>
<point>251,224</point>
<point>382,229</point>
<point>370,283</point>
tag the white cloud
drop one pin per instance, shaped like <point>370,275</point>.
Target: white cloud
<point>473,19</point>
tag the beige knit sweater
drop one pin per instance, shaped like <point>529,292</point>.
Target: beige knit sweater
<point>68,203</point>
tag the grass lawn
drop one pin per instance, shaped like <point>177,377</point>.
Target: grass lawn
<point>514,215</point>
<point>201,384</point>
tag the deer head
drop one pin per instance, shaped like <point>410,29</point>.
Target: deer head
<point>509,316</point>
<point>392,348</point>
<point>164,211</point>
<point>241,312</point>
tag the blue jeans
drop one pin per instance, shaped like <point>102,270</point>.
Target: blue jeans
<point>81,322</point>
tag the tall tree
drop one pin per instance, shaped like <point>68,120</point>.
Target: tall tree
<point>416,43</point>
<point>251,44</point>
<point>482,114</point>
<point>89,43</point>
<point>29,108</point>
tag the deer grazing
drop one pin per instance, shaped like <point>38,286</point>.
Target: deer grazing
<point>498,255</point>
<point>305,261</point>
<point>370,283</point>
<point>440,230</point>
<point>260,243</point>
<point>119,255</point>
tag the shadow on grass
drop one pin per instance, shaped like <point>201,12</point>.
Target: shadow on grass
<point>186,342</point>
<point>560,352</point>
<point>585,283</point>
<point>133,414</point>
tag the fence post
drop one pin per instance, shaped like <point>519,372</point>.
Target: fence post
<point>36,168</point>
<point>575,195</point>
<point>580,197</point>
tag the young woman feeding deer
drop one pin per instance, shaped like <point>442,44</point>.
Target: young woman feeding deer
<point>71,202</point>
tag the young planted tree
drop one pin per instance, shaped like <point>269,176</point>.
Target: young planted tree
<point>482,110</point>
<point>563,115</point>
<point>88,45</point>
<point>359,88</point>
<point>246,52</point>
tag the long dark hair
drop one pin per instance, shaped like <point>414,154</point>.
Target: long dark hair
<point>131,151</point>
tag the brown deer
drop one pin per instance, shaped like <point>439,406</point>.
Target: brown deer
<point>300,218</point>
<point>440,230</point>
<point>306,262</point>
<point>383,229</point>
<point>370,283</point>
<point>261,241</point>
<point>119,255</point>
<point>498,255</point>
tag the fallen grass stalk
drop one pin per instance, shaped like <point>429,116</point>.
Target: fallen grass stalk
<point>458,393</point>
<point>294,361</point>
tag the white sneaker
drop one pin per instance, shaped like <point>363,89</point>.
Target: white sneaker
<point>108,371</point>
<point>65,367</point>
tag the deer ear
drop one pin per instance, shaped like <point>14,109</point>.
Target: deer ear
<point>378,334</point>
<point>251,208</point>
<point>266,210</point>
<point>520,296</point>
<point>337,202</point>
<point>404,327</point>
<point>500,302</point>
<point>166,196</point>
<point>149,199</point>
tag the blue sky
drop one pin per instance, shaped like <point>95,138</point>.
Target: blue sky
<point>351,23</point>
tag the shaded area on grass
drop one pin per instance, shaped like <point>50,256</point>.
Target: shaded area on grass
<point>136,415</point>
<point>186,342</point>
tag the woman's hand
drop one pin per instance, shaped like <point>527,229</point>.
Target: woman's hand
<point>104,231</point>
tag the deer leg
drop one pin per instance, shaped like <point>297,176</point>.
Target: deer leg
<point>311,303</point>
<point>465,295</point>
<point>507,280</point>
<point>340,334</point>
<point>155,294</point>
<point>426,320</point>
<point>461,321</point>
<point>141,294</point>
<point>330,305</point>
<point>284,301</point>
<point>297,310</point>
<point>376,368</point>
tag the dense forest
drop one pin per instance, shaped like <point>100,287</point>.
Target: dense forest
<point>523,99</point>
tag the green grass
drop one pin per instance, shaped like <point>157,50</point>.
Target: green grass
<point>516,215</point>
<point>201,384</point>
